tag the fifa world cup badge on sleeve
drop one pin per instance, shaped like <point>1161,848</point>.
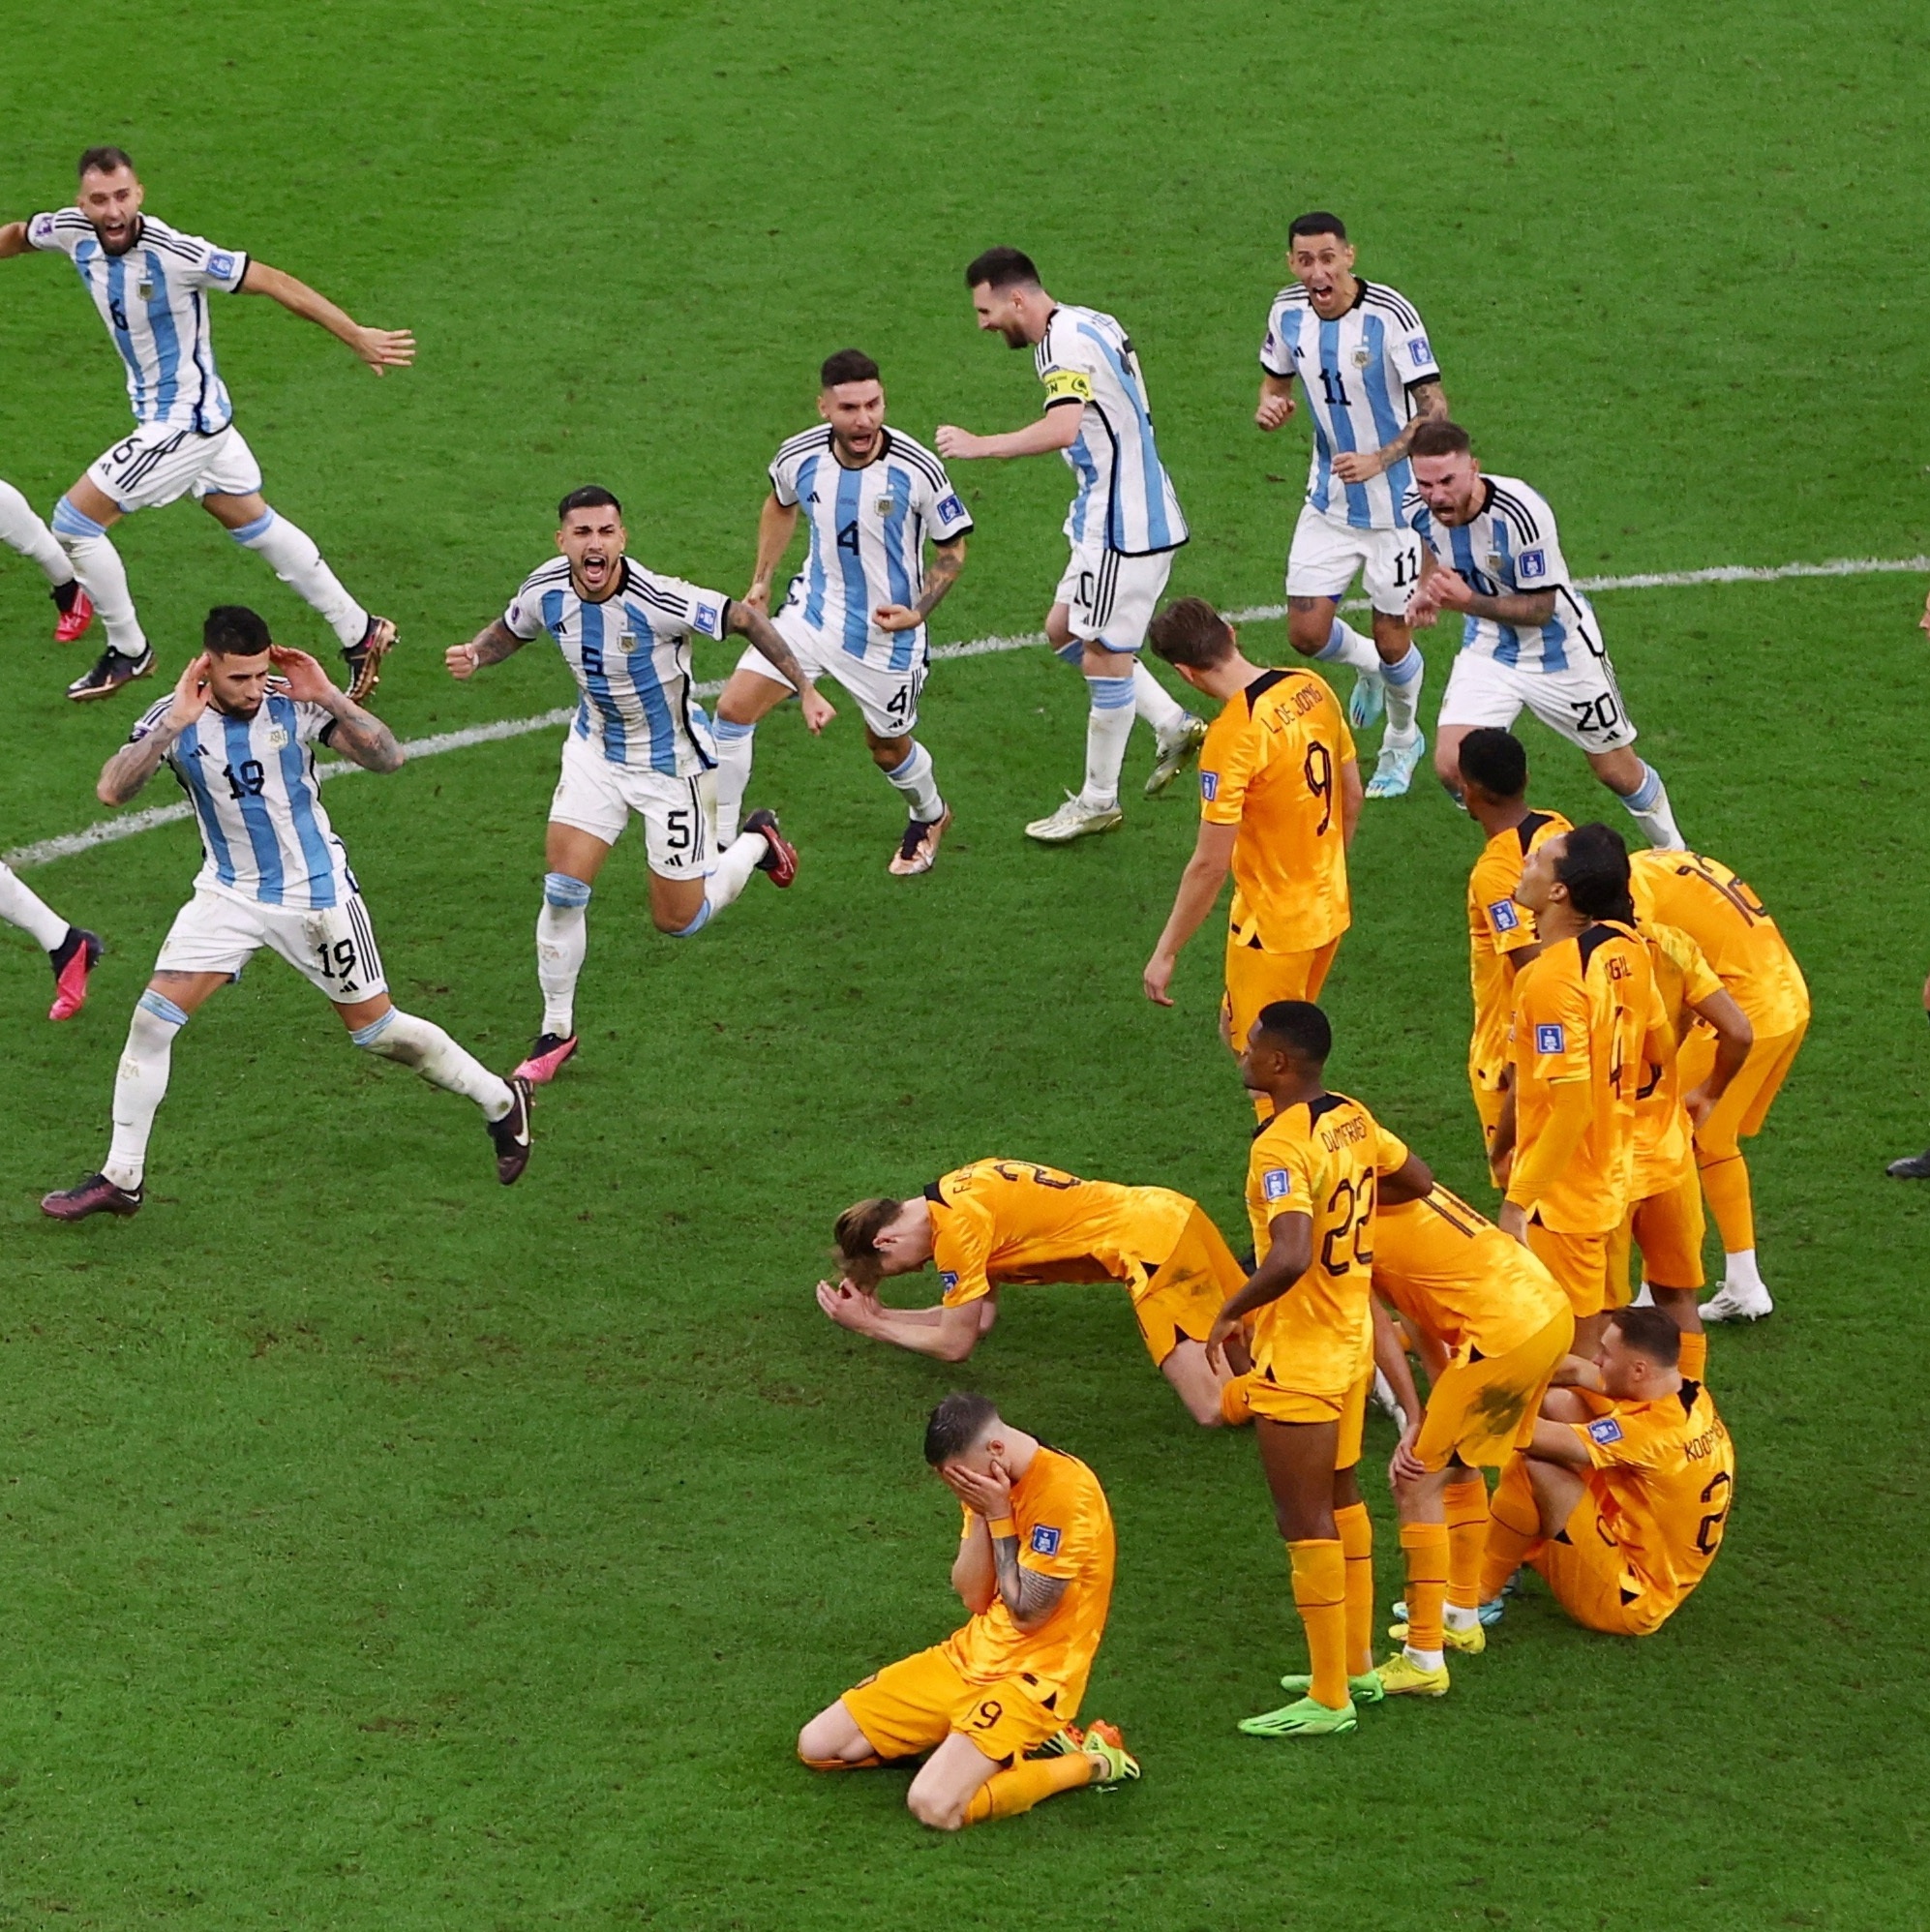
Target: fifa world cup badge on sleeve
<point>1504,916</point>
<point>948,1280</point>
<point>1420,350</point>
<point>1209,786</point>
<point>1045,1540</point>
<point>1605,1431</point>
<point>1550,1038</point>
<point>1530,565</point>
<point>1276,1185</point>
<point>950,509</point>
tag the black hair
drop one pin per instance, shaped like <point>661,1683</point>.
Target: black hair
<point>1316,222</point>
<point>1594,867</point>
<point>1650,1332</point>
<point>1002,268</point>
<point>956,1423</point>
<point>848,365</point>
<point>233,630</point>
<point>104,160</point>
<point>1495,759</point>
<point>1299,1026</point>
<point>592,496</point>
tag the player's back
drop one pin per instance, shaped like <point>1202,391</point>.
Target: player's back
<point>1732,927</point>
<point>1453,1271</point>
<point>1497,928</point>
<point>1683,979</point>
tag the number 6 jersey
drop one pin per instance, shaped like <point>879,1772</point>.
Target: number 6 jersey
<point>253,784</point>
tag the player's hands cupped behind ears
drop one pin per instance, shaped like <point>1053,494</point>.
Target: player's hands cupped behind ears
<point>818,711</point>
<point>385,349</point>
<point>850,1307</point>
<point>191,693</point>
<point>306,682</point>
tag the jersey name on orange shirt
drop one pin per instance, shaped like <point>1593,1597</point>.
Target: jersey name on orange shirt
<point>1497,929</point>
<point>1734,928</point>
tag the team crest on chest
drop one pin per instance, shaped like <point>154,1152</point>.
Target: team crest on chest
<point>1363,355</point>
<point>884,505</point>
<point>144,289</point>
<point>278,737</point>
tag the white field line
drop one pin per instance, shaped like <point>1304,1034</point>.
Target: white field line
<point>105,831</point>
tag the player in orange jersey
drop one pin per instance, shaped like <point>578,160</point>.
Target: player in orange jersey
<point>1311,1180</point>
<point>1501,935</point>
<point>1583,1011</point>
<point>1009,1222</point>
<point>1619,1501</point>
<point>1280,797</point>
<point>1035,1569</point>
<point>1732,925</point>
<point>1506,1325</point>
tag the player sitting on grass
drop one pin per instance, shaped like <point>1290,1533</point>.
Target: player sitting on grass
<point>237,733</point>
<point>998,1221</point>
<point>1035,1569</point>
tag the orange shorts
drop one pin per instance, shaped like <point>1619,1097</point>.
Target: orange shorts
<point>913,1706</point>
<point>1580,1262</point>
<point>1256,978</point>
<point>1273,1403</point>
<point>1584,1567</point>
<point>1185,1296</point>
<point>1482,1410</point>
<point>1668,1227</point>
<point>1745,1102</point>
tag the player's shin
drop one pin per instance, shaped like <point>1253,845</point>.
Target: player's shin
<point>916,782</point>
<point>1109,725</point>
<point>563,938</point>
<point>24,908</point>
<point>293,556</point>
<point>1346,646</point>
<point>1319,1595</point>
<point>1006,1794</point>
<point>731,876</point>
<point>103,576</point>
<point>1403,692</point>
<point>1356,1530</point>
<point>1466,1508</point>
<point>141,1085</point>
<point>1648,806</point>
<point>1424,1548</point>
<point>1513,1528</point>
<point>1153,703</point>
<point>423,1045</point>
<point>735,743</point>
<point>26,534</point>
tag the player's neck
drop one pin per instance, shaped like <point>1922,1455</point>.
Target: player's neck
<point>1229,678</point>
<point>1347,294</point>
<point>1295,1093</point>
<point>1020,1451</point>
<point>1496,815</point>
<point>845,460</point>
<point>1559,921</point>
<point>603,596</point>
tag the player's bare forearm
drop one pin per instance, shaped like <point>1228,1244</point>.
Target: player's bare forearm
<point>1354,795</point>
<point>1390,1357</point>
<point>1430,402</point>
<point>1276,403</point>
<point>948,560</point>
<point>748,620</point>
<point>1056,430</point>
<point>1287,1259</point>
<point>938,1332</point>
<point>12,239</point>
<point>124,775</point>
<point>973,1575</point>
<point>490,644</point>
<point>1558,1442</point>
<point>380,349</point>
<point>360,737</point>
<point>1532,611</point>
<point>1030,1597</point>
<point>1199,889</point>
<point>776,526</point>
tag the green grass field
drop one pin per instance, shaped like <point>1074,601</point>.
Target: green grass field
<point>382,1549</point>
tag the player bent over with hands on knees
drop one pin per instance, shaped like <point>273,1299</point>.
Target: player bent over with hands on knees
<point>238,732</point>
<point>994,1704</point>
<point>856,612</point>
<point>999,1221</point>
<point>639,743</point>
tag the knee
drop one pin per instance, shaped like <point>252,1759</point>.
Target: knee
<point>819,1743</point>
<point>562,893</point>
<point>251,532</point>
<point>930,1809</point>
<point>666,923</point>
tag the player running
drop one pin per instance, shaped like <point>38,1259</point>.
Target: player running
<point>71,951</point>
<point>1734,928</point>
<point>1529,639</point>
<point>638,745</point>
<point>998,1221</point>
<point>1620,1499</point>
<point>994,1702</point>
<point>870,498</point>
<point>1363,357</point>
<point>151,284</point>
<point>22,530</point>
<point>1123,526</point>
<point>1311,1180</point>
<point>238,732</point>
<point>1280,797</point>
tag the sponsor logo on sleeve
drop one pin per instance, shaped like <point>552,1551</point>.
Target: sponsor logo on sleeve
<point>1276,1184</point>
<point>220,265</point>
<point>1605,1431</point>
<point>1504,916</point>
<point>1530,565</point>
<point>1045,1540</point>
<point>1209,786</point>
<point>1422,356</point>
<point>948,1280</point>
<point>1550,1038</point>
<point>950,509</point>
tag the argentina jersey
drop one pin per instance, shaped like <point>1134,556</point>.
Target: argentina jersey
<point>1357,373</point>
<point>154,300</point>
<point>631,655</point>
<point>867,536</point>
<point>252,782</point>
<point>1510,549</point>
<point>1126,500</point>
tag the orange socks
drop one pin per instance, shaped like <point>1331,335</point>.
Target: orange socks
<point>1320,1596</point>
<point>1006,1794</point>
<point>1513,1528</point>
<point>1726,1189</point>
<point>1356,1530</point>
<point>1466,1532</point>
<point>1235,1407</point>
<point>1425,1546</point>
<point>869,1764</point>
<point>1694,1359</point>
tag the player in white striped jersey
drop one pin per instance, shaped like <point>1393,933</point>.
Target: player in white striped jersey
<point>1123,526</point>
<point>639,743</point>
<point>238,732</point>
<point>870,497</point>
<point>1370,378</point>
<point>151,284</point>
<point>22,530</point>
<point>1529,639</point>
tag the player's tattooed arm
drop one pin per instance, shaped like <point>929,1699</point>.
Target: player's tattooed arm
<point>130,768</point>
<point>776,525</point>
<point>749,621</point>
<point>948,560</point>
<point>359,735</point>
<point>490,644</point>
<point>1357,465</point>
<point>1030,1597</point>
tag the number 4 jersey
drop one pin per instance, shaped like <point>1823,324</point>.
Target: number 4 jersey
<point>254,788</point>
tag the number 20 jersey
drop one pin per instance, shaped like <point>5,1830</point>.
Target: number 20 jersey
<point>251,781</point>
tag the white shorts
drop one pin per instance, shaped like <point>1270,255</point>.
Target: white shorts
<point>1582,704</point>
<point>333,950</point>
<point>1327,554</point>
<point>888,700</point>
<point>680,814</point>
<point>1110,598</point>
<point>156,465</point>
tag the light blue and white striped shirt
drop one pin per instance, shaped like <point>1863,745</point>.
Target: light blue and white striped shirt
<point>631,655</point>
<point>251,781</point>
<point>1511,549</point>
<point>154,299</point>
<point>867,530</point>
<point>1358,373</point>
<point>1126,500</point>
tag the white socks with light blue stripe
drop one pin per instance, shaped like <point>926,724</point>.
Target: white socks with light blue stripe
<point>1346,646</point>
<point>26,534</point>
<point>1402,682</point>
<point>423,1045</point>
<point>1108,725</point>
<point>1152,702</point>
<point>104,577</point>
<point>918,780</point>
<point>141,1085</point>
<point>1648,806</point>
<point>292,555</point>
<point>563,938</point>
<point>735,745</point>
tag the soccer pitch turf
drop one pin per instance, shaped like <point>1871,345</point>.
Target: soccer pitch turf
<point>384,1549</point>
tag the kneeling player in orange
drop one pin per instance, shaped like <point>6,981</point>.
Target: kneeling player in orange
<point>1619,1501</point>
<point>1311,1180</point>
<point>999,1221</point>
<point>1507,1326</point>
<point>1035,1569</point>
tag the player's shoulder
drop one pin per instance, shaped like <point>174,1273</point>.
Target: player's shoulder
<point>909,450</point>
<point>1523,508</point>
<point>806,442</point>
<point>1293,296</point>
<point>1378,297</point>
<point>149,719</point>
<point>660,592</point>
<point>551,574</point>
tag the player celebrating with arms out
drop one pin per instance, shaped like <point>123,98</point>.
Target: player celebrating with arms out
<point>151,283</point>
<point>1364,360</point>
<point>238,734</point>
<point>857,612</point>
<point>1123,526</point>
<point>638,743</point>
<point>1034,1568</point>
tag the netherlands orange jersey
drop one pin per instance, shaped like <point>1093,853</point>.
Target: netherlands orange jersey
<point>1271,764</point>
<point>1732,925</point>
<point>1662,1475</point>
<point>999,1221</point>
<point>1453,1271</point>
<point>1497,929</point>
<point>1319,1158</point>
<point>1664,1142</point>
<point>1065,1529</point>
<point>1583,1008</point>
